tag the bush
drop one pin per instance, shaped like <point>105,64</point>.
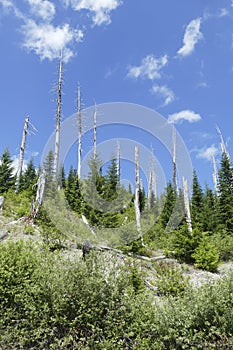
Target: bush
<point>223,243</point>
<point>185,242</point>
<point>170,279</point>
<point>17,205</point>
<point>206,256</point>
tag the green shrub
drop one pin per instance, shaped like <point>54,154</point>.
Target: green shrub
<point>185,242</point>
<point>206,256</point>
<point>223,243</point>
<point>170,279</point>
<point>17,205</point>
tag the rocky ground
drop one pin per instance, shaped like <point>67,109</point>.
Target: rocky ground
<point>19,229</point>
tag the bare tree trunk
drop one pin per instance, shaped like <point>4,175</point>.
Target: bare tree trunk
<point>58,119</point>
<point>21,155</point>
<point>95,134</point>
<point>118,162</point>
<point>152,183</point>
<point>174,160</point>
<point>215,175</point>
<point>40,188</point>
<point>186,205</point>
<point>79,132</point>
<point>224,148</point>
<point>85,221</point>
<point>136,200</point>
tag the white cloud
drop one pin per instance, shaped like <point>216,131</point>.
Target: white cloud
<point>9,6</point>
<point>187,115</point>
<point>166,93</point>
<point>150,68</point>
<point>101,9</point>
<point>43,9</point>
<point>47,41</point>
<point>207,152</point>
<point>6,3</point>
<point>191,37</point>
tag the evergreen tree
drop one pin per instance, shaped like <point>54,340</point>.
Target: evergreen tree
<point>61,178</point>
<point>111,183</point>
<point>196,202</point>
<point>28,179</point>
<point>178,215</point>
<point>170,197</point>
<point>50,185</point>
<point>7,179</point>
<point>142,199</point>
<point>209,216</point>
<point>73,191</point>
<point>225,186</point>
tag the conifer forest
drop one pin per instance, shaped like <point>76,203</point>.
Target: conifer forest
<point>86,263</point>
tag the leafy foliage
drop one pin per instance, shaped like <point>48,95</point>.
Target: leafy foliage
<point>206,256</point>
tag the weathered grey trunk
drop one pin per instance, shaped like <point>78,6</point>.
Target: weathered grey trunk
<point>215,175</point>
<point>58,119</point>
<point>152,183</point>
<point>118,162</point>
<point>40,188</point>
<point>95,133</point>
<point>174,159</point>
<point>223,145</point>
<point>79,132</point>
<point>186,205</point>
<point>84,219</point>
<point>21,155</point>
<point>136,200</point>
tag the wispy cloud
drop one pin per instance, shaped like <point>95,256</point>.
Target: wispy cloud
<point>191,37</point>
<point>47,40</point>
<point>9,6</point>
<point>163,91</point>
<point>150,68</point>
<point>207,152</point>
<point>41,36</point>
<point>223,12</point>
<point>101,9</point>
<point>185,115</point>
<point>43,9</point>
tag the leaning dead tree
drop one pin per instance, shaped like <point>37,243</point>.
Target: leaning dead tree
<point>215,175</point>
<point>186,205</point>
<point>58,118</point>
<point>79,132</point>
<point>136,200</point>
<point>174,159</point>
<point>223,145</point>
<point>21,155</point>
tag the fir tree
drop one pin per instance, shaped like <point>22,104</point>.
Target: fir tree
<point>50,185</point>
<point>111,183</point>
<point>28,179</point>
<point>170,198</point>
<point>197,202</point>
<point>73,191</point>
<point>209,216</point>
<point>225,187</point>
<point>6,172</point>
<point>142,199</point>
<point>61,178</point>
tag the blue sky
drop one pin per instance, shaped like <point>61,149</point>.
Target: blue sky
<point>175,57</point>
